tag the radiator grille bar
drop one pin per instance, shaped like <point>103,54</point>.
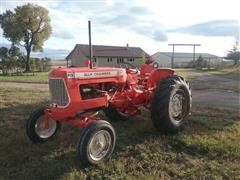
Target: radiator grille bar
<point>58,92</point>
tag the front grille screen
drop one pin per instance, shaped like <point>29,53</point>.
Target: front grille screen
<point>58,92</point>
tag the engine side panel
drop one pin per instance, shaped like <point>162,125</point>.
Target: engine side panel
<point>86,88</point>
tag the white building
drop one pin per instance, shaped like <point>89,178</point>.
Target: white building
<point>182,60</point>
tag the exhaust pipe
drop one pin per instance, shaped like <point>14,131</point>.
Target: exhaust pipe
<point>90,44</point>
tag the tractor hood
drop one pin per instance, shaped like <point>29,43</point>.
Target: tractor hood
<point>86,73</point>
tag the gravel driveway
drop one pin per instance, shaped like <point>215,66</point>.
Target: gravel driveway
<point>214,91</point>
<point>216,98</point>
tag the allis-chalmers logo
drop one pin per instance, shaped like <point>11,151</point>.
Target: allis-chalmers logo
<point>93,74</point>
<point>90,74</point>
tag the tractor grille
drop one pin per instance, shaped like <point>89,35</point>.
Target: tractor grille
<point>58,92</point>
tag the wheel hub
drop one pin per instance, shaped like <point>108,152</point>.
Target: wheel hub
<point>99,145</point>
<point>43,132</point>
<point>176,105</point>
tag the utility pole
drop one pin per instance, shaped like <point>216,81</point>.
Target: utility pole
<point>194,64</point>
<point>172,63</point>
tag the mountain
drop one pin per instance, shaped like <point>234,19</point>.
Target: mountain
<point>59,54</point>
<point>54,54</point>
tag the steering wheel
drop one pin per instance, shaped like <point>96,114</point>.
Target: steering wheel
<point>130,68</point>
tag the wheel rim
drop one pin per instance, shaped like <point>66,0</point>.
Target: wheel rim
<point>99,145</point>
<point>43,132</point>
<point>176,106</point>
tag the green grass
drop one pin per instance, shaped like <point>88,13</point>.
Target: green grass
<point>230,73</point>
<point>185,73</point>
<point>209,148</point>
<point>38,77</point>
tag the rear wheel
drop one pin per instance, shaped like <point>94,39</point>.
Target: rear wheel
<point>96,143</point>
<point>35,127</point>
<point>171,104</point>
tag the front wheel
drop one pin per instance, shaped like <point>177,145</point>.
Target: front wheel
<point>171,104</point>
<point>35,127</point>
<point>96,143</point>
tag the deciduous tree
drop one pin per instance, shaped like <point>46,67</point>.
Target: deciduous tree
<point>234,54</point>
<point>9,58</point>
<point>28,26</point>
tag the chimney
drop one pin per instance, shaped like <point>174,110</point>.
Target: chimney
<point>127,45</point>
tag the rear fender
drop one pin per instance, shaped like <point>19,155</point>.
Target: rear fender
<point>157,75</point>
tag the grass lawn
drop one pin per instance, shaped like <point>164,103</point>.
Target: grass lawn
<point>38,77</point>
<point>209,148</point>
<point>185,73</point>
<point>230,73</point>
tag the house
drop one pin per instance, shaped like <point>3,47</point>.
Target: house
<point>182,60</point>
<point>109,56</point>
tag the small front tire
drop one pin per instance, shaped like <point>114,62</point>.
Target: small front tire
<point>96,143</point>
<point>35,129</point>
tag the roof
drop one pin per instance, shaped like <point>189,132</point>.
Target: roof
<point>185,55</point>
<point>105,51</point>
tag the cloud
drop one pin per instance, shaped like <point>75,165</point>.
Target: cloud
<point>159,35</point>
<point>153,31</point>
<point>140,10</point>
<point>11,4</point>
<point>212,28</point>
<point>131,17</point>
<point>106,17</point>
<point>65,25</point>
<point>63,34</point>
<point>121,20</point>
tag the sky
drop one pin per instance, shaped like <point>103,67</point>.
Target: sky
<point>149,24</point>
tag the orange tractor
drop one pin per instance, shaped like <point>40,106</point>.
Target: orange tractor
<point>78,94</point>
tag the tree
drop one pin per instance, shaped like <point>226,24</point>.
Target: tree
<point>234,54</point>
<point>4,59</point>
<point>143,58</point>
<point>28,26</point>
<point>200,62</point>
<point>46,64</point>
<point>14,56</point>
<point>38,64</point>
<point>9,58</point>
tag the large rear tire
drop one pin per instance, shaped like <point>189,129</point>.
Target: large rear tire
<point>35,129</point>
<point>171,104</point>
<point>96,143</point>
